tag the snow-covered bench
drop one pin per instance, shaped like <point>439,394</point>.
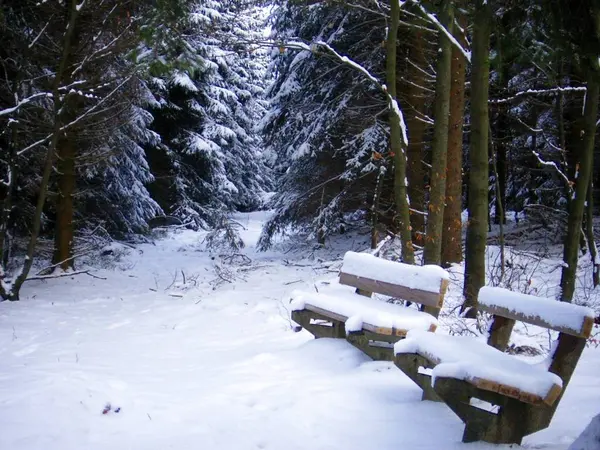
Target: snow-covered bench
<point>500,398</point>
<point>345,309</point>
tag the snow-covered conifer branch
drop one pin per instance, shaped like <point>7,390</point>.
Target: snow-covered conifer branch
<point>25,101</point>
<point>442,28</point>
<point>556,168</point>
<point>393,103</point>
<point>528,92</point>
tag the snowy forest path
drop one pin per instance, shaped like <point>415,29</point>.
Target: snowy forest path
<point>195,367</point>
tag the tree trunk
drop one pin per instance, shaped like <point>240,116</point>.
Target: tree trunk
<point>397,145</point>
<point>501,131</point>
<point>63,239</point>
<point>7,202</point>
<point>416,101</point>
<point>437,192</point>
<point>13,292</point>
<point>478,159</point>
<point>583,175</point>
<point>452,228</point>
<point>589,231</point>
<point>375,208</point>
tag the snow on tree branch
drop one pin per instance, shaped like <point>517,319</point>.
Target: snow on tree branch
<point>393,103</point>
<point>556,168</point>
<point>442,28</point>
<point>529,92</point>
<point>25,101</point>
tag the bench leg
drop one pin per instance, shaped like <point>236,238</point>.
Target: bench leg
<point>339,329</point>
<point>409,364</point>
<point>363,343</point>
<point>508,426</point>
<point>304,318</point>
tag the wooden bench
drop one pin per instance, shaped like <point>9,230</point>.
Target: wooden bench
<point>345,309</point>
<point>499,397</point>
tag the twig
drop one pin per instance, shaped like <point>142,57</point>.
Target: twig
<point>61,275</point>
<point>45,269</point>
<point>94,276</point>
<point>287,263</point>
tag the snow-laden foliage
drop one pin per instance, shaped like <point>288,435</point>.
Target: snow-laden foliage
<point>205,107</point>
<point>536,99</point>
<point>326,120</point>
<point>114,191</point>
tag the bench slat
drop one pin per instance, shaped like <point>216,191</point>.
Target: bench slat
<point>548,313</point>
<point>425,285</point>
<point>504,389</point>
<point>366,326</point>
<point>483,366</point>
<point>584,331</point>
<point>435,300</point>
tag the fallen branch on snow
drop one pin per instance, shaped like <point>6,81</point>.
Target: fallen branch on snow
<point>66,274</point>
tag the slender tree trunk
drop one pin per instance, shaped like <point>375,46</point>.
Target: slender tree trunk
<point>589,231</point>
<point>583,175</point>
<point>320,229</point>
<point>501,132</point>
<point>7,203</point>
<point>63,240</point>
<point>13,292</point>
<point>437,192</point>
<point>375,208</point>
<point>500,207</point>
<point>416,98</point>
<point>452,228</point>
<point>478,159</point>
<point>397,146</point>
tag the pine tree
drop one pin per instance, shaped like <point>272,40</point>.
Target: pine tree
<point>327,124</point>
<point>205,107</point>
<point>478,158</point>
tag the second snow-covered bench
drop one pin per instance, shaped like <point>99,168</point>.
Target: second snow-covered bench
<point>346,309</point>
<point>521,398</point>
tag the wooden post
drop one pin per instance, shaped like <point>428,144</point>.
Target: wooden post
<point>500,331</point>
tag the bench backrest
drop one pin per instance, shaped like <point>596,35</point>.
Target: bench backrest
<point>369,274</point>
<point>573,322</point>
<point>563,317</point>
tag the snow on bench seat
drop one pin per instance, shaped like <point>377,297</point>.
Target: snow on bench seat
<point>422,284</point>
<point>359,312</point>
<point>545,312</point>
<point>471,360</point>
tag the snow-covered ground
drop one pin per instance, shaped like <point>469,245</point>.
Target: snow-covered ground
<point>212,364</point>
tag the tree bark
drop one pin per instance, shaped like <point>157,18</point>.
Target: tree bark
<point>416,100</point>
<point>452,227</point>
<point>14,289</point>
<point>7,201</point>
<point>397,144</point>
<point>589,231</point>
<point>63,239</point>
<point>437,193</point>
<point>375,208</point>
<point>501,131</point>
<point>583,175</point>
<point>478,159</point>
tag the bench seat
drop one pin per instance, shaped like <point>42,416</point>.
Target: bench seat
<point>483,366</point>
<point>358,312</point>
<point>344,308</point>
